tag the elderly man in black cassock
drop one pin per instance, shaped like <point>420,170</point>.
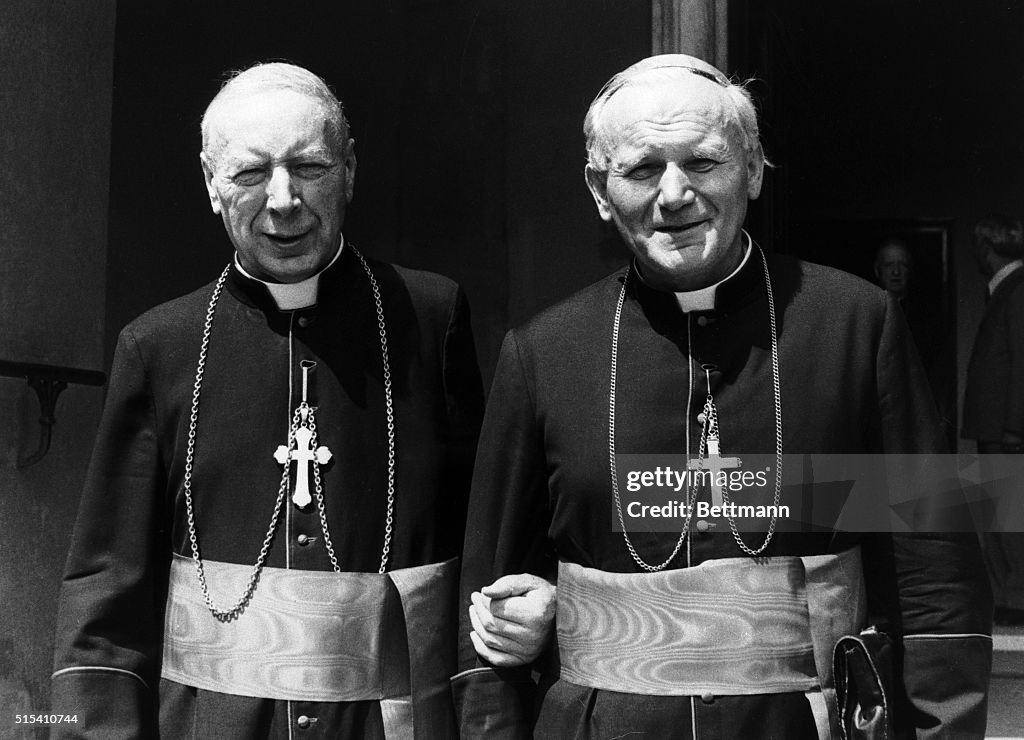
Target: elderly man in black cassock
<point>268,537</point>
<point>703,346</point>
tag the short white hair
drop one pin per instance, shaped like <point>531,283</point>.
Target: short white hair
<point>266,76</point>
<point>743,113</point>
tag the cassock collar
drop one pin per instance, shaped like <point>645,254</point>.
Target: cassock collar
<point>1002,274</point>
<point>734,291</point>
<point>703,299</point>
<point>284,296</point>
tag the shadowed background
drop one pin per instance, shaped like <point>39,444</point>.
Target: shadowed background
<point>467,118</point>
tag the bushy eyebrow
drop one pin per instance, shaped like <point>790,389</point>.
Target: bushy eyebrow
<point>254,157</point>
<point>257,161</point>
<point>717,150</point>
<point>628,163</point>
<point>713,150</point>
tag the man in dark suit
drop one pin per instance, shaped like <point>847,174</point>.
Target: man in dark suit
<point>895,272</point>
<point>994,397</point>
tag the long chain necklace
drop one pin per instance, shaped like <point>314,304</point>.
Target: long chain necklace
<point>227,615</point>
<point>710,419</point>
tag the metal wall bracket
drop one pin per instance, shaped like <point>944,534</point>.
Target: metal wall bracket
<point>48,381</point>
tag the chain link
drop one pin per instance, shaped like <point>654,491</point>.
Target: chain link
<point>318,488</point>
<point>227,615</point>
<point>390,412</point>
<point>710,423</point>
<point>691,493</point>
<point>224,615</point>
<point>778,432</point>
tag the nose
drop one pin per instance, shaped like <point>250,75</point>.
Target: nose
<point>282,196</point>
<point>674,189</point>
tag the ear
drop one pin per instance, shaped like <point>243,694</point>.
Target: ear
<point>598,184</point>
<point>349,161</point>
<point>211,191</point>
<point>755,172</point>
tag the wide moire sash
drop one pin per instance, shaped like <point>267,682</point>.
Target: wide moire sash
<point>729,626</point>
<point>321,636</point>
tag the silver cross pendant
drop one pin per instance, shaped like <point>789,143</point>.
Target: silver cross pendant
<point>301,448</point>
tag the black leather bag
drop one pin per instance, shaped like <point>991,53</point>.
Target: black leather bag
<point>863,666</point>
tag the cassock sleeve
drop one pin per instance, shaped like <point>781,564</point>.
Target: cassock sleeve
<point>944,600</point>
<point>109,625</point>
<point>1014,334</point>
<point>506,532</point>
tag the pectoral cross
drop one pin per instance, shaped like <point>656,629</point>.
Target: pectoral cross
<point>715,463</point>
<point>300,447</point>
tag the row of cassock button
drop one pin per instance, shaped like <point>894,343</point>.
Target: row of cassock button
<point>303,721</point>
<point>702,526</point>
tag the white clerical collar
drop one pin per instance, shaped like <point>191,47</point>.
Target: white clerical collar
<point>1002,274</point>
<point>703,299</point>
<point>291,296</point>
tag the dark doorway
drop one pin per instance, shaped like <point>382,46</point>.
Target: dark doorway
<point>888,113</point>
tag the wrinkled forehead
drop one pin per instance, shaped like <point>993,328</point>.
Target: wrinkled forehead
<point>894,251</point>
<point>255,118</point>
<point>663,98</point>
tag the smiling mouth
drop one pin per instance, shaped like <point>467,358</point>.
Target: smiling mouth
<point>678,229</point>
<point>286,240</point>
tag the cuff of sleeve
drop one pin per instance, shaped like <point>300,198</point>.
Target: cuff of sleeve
<point>946,678</point>
<point>494,704</point>
<point>107,702</point>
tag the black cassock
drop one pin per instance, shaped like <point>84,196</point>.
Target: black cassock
<point>850,383</point>
<point>133,515</point>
